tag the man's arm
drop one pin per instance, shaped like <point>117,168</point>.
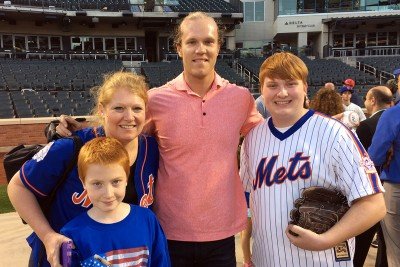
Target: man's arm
<point>364,213</point>
<point>68,125</point>
<point>253,116</point>
<point>382,140</point>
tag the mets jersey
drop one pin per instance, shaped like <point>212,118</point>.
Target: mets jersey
<point>42,172</point>
<point>276,166</point>
<point>137,240</point>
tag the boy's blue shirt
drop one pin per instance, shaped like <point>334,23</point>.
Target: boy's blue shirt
<point>137,240</point>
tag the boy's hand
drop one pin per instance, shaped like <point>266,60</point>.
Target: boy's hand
<point>52,242</point>
<point>306,239</point>
<point>67,125</point>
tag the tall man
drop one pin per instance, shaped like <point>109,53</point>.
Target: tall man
<point>377,100</point>
<point>387,138</point>
<point>198,118</point>
<point>294,149</point>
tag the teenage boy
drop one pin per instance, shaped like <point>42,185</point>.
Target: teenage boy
<point>298,148</point>
<point>113,232</point>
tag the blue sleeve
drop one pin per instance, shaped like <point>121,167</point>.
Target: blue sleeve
<point>160,254</point>
<point>382,139</point>
<point>41,174</point>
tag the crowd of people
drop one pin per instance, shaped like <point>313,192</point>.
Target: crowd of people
<point>157,180</point>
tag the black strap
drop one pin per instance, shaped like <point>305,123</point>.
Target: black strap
<point>50,199</point>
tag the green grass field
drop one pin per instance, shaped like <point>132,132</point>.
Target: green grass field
<point>5,204</point>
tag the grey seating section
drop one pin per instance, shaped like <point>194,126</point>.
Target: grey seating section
<point>158,73</point>
<point>217,6</point>
<point>42,88</point>
<point>185,6</point>
<point>77,5</point>
<point>382,63</point>
<point>53,75</point>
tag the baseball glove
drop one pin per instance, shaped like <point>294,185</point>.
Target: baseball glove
<point>318,209</point>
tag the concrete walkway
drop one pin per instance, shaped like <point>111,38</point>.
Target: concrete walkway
<point>14,250</point>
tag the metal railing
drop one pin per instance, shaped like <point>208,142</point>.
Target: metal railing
<point>368,51</point>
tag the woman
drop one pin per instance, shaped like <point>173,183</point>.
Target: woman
<point>327,101</point>
<point>120,107</point>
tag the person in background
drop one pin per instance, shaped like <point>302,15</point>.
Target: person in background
<point>346,93</point>
<point>385,152</point>
<point>327,101</point>
<point>377,100</point>
<point>355,98</point>
<point>261,107</point>
<point>330,85</point>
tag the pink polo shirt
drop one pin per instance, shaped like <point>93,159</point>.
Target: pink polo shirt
<point>199,196</point>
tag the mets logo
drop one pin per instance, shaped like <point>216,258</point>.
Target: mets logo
<point>148,199</point>
<point>81,199</point>
<point>42,153</point>
<point>299,167</point>
<point>367,164</point>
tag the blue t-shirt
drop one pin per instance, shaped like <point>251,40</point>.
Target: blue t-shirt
<point>137,240</point>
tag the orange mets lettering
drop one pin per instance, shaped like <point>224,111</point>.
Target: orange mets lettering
<point>81,199</point>
<point>148,199</point>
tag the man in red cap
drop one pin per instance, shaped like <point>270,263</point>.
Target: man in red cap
<point>355,98</point>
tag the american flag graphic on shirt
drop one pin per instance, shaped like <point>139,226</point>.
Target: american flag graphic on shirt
<point>121,258</point>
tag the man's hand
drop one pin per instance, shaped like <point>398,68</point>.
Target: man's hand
<point>52,242</point>
<point>68,125</point>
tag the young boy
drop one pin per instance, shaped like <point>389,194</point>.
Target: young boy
<point>297,148</point>
<point>112,232</point>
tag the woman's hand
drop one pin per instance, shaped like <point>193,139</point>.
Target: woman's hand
<point>52,242</point>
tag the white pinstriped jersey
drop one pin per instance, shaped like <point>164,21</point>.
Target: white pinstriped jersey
<point>275,166</point>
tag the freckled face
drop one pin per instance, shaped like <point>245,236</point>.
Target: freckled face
<point>105,186</point>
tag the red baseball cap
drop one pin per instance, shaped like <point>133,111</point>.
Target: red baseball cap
<point>349,82</point>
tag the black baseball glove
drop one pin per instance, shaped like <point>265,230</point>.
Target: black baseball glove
<point>318,209</point>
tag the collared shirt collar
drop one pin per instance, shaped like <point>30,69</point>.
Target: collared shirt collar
<point>377,112</point>
<point>180,84</point>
